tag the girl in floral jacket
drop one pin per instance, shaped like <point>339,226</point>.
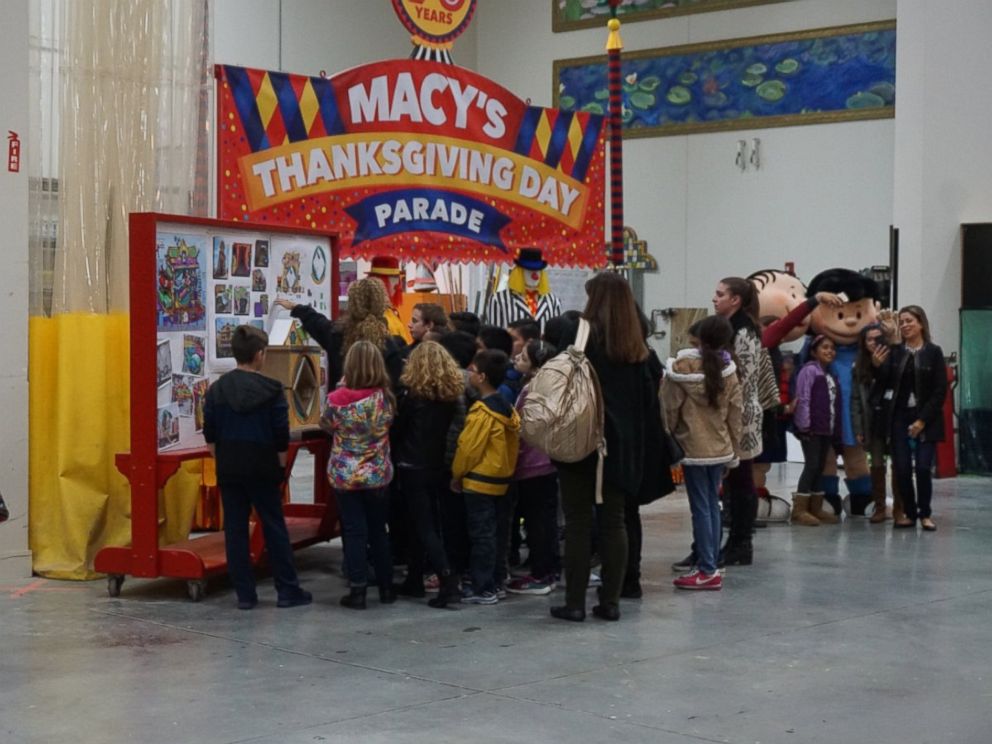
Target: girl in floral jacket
<point>357,417</point>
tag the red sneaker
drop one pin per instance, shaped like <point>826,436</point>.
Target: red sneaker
<point>697,580</point>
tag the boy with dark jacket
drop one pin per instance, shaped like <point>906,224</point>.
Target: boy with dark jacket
<point>246,426</point>
<point>482,470</point>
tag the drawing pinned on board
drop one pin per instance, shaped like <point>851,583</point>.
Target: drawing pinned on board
<point>168,426</point>
<point>318,265</point>
<point>182,393</point>
<point>224,331</point>
<point>241,259</point>
<point>164,362</point>
<point>262,253</point>
<point>289,278</point>
<point>258,283</point>
<point>199,399</point>
<point>194,354</point>
<point>220,259</point>
<point>241,299</point>
<point>222,299</point>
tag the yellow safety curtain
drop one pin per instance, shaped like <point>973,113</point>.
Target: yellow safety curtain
<point>129,91</point>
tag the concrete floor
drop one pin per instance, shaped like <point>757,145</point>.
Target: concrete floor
<point>837,634</point>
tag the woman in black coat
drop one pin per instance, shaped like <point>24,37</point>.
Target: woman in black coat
<point>913,378</point>
<point>619,355</point>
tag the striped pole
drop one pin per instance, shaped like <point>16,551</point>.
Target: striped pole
<point>614,45</point>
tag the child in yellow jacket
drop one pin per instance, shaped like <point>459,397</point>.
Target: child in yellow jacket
<point>483,467</point>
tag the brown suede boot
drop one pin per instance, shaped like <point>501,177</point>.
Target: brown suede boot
<point>898,515</point>
<point>878,494</point>
<point>816,509</point>
<point>800,511</point>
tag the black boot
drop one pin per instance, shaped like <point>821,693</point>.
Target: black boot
<point>859,502</point>
<point>739,553</point>
<point>738,550</point>
<point>448,593</point>
<point>412,586</point>
<point>387,595</point>
<point>631,589</point>
<point>355,599</point>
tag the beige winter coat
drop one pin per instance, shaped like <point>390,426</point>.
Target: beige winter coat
<point>710,435</point>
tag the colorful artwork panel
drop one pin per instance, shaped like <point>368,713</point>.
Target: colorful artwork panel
<point>844,73</point>
<point>569,15</point>
<point>181,278</point>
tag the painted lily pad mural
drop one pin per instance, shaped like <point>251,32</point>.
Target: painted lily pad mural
<point>572,14</point>
<point>838,74</point>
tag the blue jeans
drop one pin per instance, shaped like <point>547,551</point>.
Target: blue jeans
<point>238,500</point>
<point>904,451</point>
<point>487,518</point>
<point>702,483</point>
<point>363,526</point>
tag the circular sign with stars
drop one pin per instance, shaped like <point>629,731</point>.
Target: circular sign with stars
<point>436,22</point>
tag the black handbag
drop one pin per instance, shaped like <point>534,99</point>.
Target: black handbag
<point>672,447</point>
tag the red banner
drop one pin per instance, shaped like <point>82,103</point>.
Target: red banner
<point>412,159</point>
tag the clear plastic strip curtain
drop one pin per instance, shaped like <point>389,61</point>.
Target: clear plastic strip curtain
<point>121,92</point>
<point>120,124</point>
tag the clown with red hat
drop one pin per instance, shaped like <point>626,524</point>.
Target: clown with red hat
<point>387,270</point>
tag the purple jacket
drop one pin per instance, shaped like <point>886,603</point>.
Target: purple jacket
<point>531,462</point>
<point>812,414</point>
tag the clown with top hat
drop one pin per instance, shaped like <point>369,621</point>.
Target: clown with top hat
<point>387,270</point>
<point>527,294</point>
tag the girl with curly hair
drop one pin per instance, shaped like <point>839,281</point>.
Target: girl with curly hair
<point>365,321</point>
<point>430,387</point>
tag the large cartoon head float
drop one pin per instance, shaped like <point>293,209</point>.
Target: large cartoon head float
<point>843,324</point>
<point>779,293</point>
<point>528,275</point>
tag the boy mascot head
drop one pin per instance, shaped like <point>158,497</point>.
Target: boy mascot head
<point>779,293</point>
<point>843,324</point>
<point>528,275</point>
<point>387,270</point>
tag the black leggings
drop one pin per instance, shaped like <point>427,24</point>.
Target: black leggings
<point>815,450</point>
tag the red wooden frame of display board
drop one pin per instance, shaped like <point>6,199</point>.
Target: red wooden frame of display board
<point>148,470</point>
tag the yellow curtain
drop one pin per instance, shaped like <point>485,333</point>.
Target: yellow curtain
<point>130,88</point>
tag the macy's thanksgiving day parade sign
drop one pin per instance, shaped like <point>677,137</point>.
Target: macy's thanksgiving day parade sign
<point>412,158</point>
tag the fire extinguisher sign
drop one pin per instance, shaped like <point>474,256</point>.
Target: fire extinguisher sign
<point>13,152</point>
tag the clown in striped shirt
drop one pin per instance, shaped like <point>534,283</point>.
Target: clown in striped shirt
<point>528,293</point>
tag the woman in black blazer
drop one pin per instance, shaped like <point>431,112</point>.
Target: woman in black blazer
<point>914,380</point>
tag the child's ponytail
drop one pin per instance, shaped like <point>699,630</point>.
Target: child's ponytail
<point>714,335</point>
